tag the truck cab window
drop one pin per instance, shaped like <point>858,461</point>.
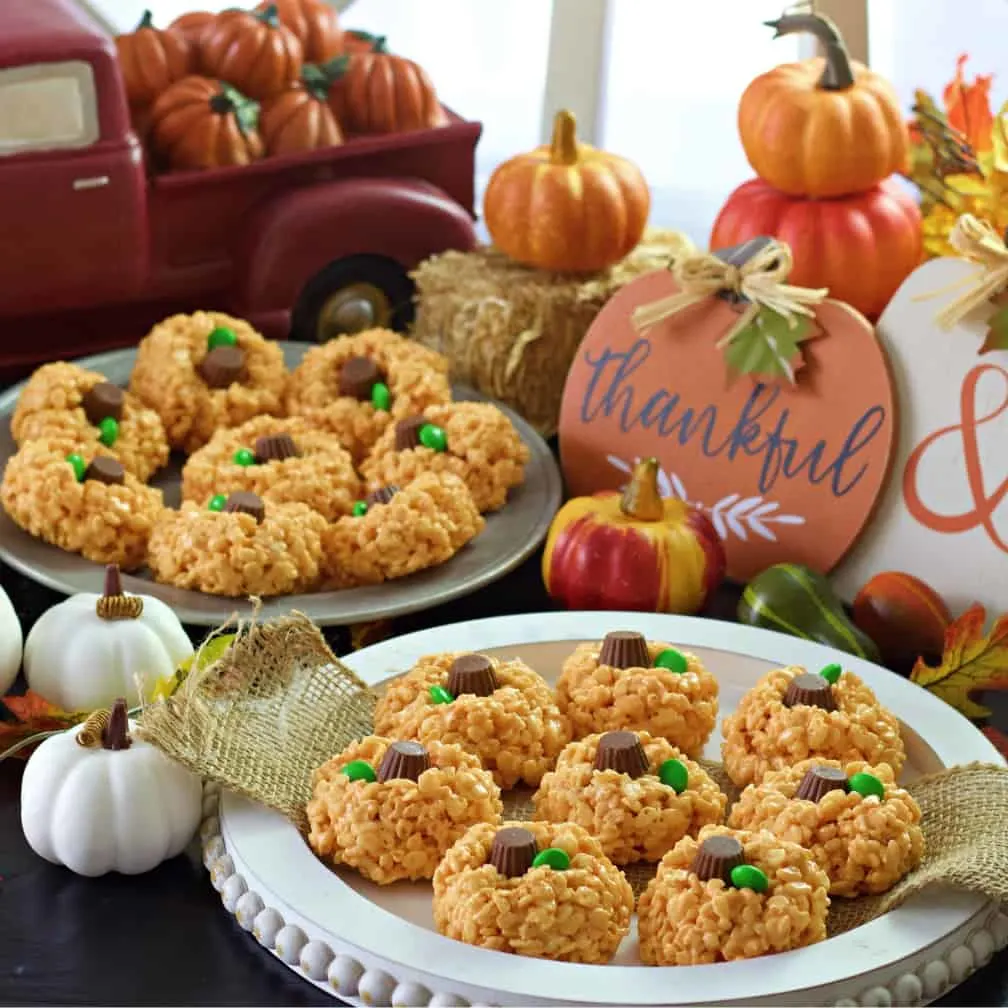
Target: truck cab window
<point>47,106</point>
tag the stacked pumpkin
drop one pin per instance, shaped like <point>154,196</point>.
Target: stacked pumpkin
<point>213,90</point>
<point>826,138</point>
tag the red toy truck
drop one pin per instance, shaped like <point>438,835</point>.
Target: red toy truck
<point>94,249</point>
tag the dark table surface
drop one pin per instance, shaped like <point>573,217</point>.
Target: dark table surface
<point>163,938</point>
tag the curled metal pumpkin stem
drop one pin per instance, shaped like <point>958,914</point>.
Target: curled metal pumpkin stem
<point>93,730</point>
<point>113,603</point>
<point>641,498</point>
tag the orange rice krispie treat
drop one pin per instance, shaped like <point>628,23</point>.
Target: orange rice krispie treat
<point>84,502</point>
<point>281,460</point>
<point>791,715</point>
<point>395,532</point>
<point>533,889</point>
<point>637,795</point>
<point>473,440</point>
<point>355,386</point>
<point>501,711</point>
<point>204,371</point>
<point>390,809</point>
<point>861,828</point>
<point>627,682</point>
<point>238,545</point>
<point>70,406</point>
<point>731,894</point>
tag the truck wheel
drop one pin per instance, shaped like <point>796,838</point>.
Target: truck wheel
<point>351,295</point>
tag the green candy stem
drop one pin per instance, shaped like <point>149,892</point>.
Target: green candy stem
<point>380,396</point>
<point>433,437</point>
<point>866,785</point>
<point>439,695</point>
<point>831,672</point>
<point>747,876</point>
<point>552,857</point>
<point>359,509</point>
<point>78,465</point>
<point>217,502</point>
<point>673,773</point>
<point>359,770</point>
<point>221,336</point>
<point>674,661</point>
<point>244,457</point>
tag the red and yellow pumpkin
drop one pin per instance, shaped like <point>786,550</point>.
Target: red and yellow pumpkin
<point>201,123</point>
<point>300,119</point>
<point>252,51</point>
<point>822,127</point>
<point>150,59</point>
<point>860,247</point>
<point>633,550</point>
<point>316,25</point>
<point>566,206</point>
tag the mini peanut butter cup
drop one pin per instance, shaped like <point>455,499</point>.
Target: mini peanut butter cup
<point>623,649</point>
<point>473,674</point>
<point>246,502</point>
<point>103,400</point>
<point>407,432</point>
<point>403,759</point>
<point>810,690</point>
<point>513,851</point>
<point>106,469</point>
<point>358,376</point>
<point>223,366</point>
<point>621,751</point>
<point>820,780</point>
<point>716,857</point>
<point>275,448</point>
<point>381,496</point>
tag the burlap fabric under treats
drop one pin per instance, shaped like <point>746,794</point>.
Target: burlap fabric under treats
<point>278,704</point>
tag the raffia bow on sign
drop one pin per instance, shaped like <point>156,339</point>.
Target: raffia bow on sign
<point>777,317</point>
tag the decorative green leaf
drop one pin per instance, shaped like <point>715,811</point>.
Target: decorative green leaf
<point>769,348</point>
<point>997,332</point>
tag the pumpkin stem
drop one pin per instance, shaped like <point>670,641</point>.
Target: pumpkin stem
<point>269,15</point>
<point>315,81</point>
<point>147,21</point>
<point>332,70</point>
<point>113,603</point>
<point>838,75</point>
<point>378,43</point>
<point>230,101</point>
<point>116,732</point>
<point>641,499</point>
<point>564,147</point>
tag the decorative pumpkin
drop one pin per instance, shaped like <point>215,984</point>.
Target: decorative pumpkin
<point>98,799</point>
<point>375,91</point>
<point>192,27</point>
<point>11,642</point>
<point>150,59</point>
<point>633,550</point>
<point>860,247</point>
<point>905,617</point>
<point>90,649</point>
<point>300,119</point>
<point>796,600</point>
<point>200,123</point>
<point>316,26</point>
<point>566,207</point>
<point>822,127</point>
<point>253,51</point>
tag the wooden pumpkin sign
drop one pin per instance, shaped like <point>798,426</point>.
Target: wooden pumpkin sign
<point>769,407</point>
<point>944,516</point>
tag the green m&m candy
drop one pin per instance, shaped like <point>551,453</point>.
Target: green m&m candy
<point>866,785</point>
<point>381,398</point>
<point>747,876</point>
<point>359,509</point>
<point>433,437</point>
<point>244,457</point>
<point>552,857</point>
<point>673,773</point>
<point>108,431</point>
<point>674,661</point>
<point>79,466</point>
<point>221,336</point>
<point>831,672</point>
<point>217,502</point>
<point>359,770</point>
<point>439,695</point>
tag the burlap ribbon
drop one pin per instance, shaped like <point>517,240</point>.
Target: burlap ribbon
<point>759,283</point>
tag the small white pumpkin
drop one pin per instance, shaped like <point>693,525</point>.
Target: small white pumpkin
<point>11,643</point>
<point>97,799</point>
<point>90,649</point>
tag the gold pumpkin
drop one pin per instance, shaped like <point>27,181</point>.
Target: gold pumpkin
<point>566,206</point>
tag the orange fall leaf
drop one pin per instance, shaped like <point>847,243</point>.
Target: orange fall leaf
<point>34,715</point>
<point>968,106</point>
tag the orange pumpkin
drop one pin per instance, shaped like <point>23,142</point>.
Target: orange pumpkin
<point>861,247</point>
<point>822,127</point>
<point>150,59</point>
<point>201,123</point>
<point>300,119</point>
<point>375,91</point>
<point>252,51</point>
<point>192,26</point>
<point>566,207</point>
<point>316,25</point>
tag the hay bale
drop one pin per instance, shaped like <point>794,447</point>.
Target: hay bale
<point>512,332</point>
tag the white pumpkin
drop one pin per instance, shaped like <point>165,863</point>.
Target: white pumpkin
<point>90,649</point>
<point>99,809</point>
<point>11,643</point>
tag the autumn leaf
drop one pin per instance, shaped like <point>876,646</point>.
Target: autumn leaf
<point>34,716</point>
<point>968,107</point>
<point>997,332</point>
<point>972,660</point>
<point>769,347</point>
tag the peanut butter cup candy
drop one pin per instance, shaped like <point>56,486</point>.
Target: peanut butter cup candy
<point>102,401</point>
<point>810,690</point>
<point>381,496</point>
<point>473,674</point>
<point>106,470</point>
<point>407,432</point>
<point>223,366</point>
<point>819,781</point>
<point>513,851</point>
<point>623,649</point>
<point>275,448</point>
<point>716,857</point>
<point>621,751</point>
<point>405,760</point>
<point>246,502</point>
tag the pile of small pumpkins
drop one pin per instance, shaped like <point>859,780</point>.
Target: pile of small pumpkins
<point>214,90</point>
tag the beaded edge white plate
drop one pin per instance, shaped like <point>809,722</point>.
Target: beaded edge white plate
<point>354,949</point>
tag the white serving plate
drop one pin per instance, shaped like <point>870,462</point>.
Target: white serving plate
<point>372,945</point>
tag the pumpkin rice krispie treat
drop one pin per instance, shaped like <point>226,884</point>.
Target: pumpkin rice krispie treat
<point>391,809</point>
<point>204,371</point>
<point>476,441</point>
<point>501,711</point>
<point>70,406</point>
<point>637,795</point>
<point>862,829</point>
<point>355,386</point>
<point>394,532</point>
<point>533,889</point>
<point>731,894</point>
<point>238,545</point>
<point>83,502</point>
<point>791,715</point>
<point>629,683</point>
<point>281,460</point>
